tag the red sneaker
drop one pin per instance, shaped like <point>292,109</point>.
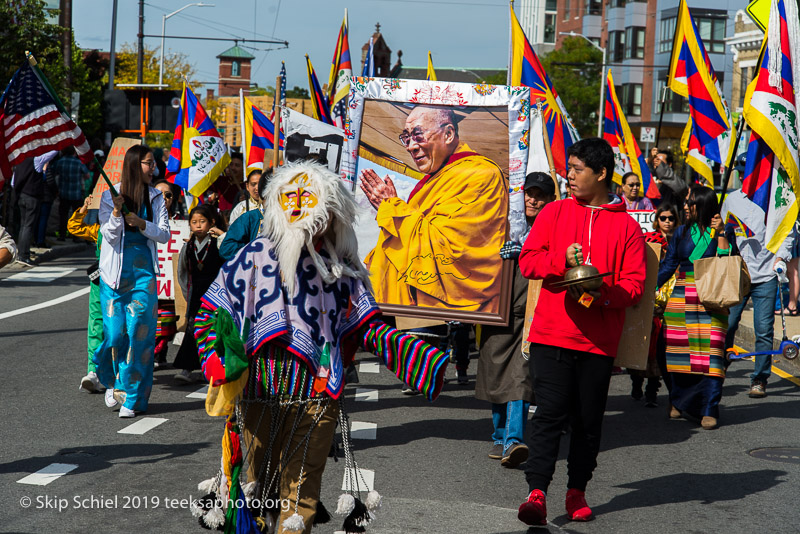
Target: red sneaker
<point>577,509</point>
<point>534,510</point>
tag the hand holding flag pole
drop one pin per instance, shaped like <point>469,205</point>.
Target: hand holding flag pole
<point>60,105</point>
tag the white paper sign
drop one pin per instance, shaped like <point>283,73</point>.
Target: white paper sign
<point>645,218</point>
<point>166,284</point>
<point>648,135</point>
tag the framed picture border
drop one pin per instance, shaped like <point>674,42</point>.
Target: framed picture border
<point>456,95</point>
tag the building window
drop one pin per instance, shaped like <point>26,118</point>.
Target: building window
<point>666,34</point>
<point>712,32</point>
<point>549,28</point>
<point>236,68</point>
<point>632,99</point>
<point>594,7</point>
<point>567,5</point>
<point>634,40</point>
<point>551,5</point>
<point>616,45</point>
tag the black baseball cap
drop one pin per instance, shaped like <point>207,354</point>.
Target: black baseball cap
<point>542,181</point>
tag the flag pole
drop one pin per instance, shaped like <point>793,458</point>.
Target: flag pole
<point>276,129</point>
<point>729,168</point>
<point>42,78</point>
<point>661,114</point>
<point>244,139</point>
<point>548,151</point>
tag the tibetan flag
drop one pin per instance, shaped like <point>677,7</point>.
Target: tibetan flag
<point>691,75</point>
<point>627,156</point>
<point>198,155</point>
<point>339,79</point>
<point>33,122</point>
<point>772,172</point>
<point>259,135</point>
<point>369,65</point>
<point>524,68</point>
<point>319,103</point>
<point>431,76</point>
<point>739,228</point>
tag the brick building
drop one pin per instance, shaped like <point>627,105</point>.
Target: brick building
<point>234,71</point>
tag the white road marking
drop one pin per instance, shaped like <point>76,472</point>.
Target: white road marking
<point>45,476</point>
<point>199,394</point>
<point>369,367</point>
<point>178,338</point>
<point>142,425</point>
<point>41,274</point>
<point>366,395</point>
<point>367,477</point>
<point>362,430</point>
<point>59,300</point>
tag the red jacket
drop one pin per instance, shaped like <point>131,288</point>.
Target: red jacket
<point>611,241</point>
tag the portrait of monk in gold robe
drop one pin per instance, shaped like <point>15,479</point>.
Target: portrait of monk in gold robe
<point>440,248</point>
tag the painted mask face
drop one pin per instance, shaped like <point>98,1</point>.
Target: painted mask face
<point>298,197</point>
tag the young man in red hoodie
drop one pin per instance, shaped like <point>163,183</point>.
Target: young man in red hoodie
<point>573,341</point>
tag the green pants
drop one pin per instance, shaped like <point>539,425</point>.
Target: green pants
<point>94,335</point>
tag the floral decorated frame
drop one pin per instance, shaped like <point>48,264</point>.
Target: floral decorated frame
<point>456,95</point>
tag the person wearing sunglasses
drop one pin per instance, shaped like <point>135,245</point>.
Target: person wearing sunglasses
<point>631,188</point>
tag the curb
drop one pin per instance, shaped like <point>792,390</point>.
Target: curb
<point>59,251</point>
<point>746,338</point>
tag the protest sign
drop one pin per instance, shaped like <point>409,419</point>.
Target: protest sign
<point>166,282</point>
<point>645,218</point>
<point>307,137</point>
<point>112,167</point>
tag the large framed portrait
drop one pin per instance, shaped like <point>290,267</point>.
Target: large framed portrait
<point>437,169</point>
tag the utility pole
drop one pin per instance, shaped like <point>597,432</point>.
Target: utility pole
<point>113,55</point>
<point>140,58</point>
<point>66,42</point>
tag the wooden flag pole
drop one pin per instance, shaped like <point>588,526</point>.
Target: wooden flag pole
<point>276,128</point>
<point>548,151</point>
<point>60,105</point>
<point>729,168</point>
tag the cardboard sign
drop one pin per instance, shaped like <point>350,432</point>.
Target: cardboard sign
<point>167,282</point>
<point>635,341</point>
<point>645,218</point>
<point>112,167</point>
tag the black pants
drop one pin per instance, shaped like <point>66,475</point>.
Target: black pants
<point>66,208</point>
<point>571,386</point>
<point>29,218</point>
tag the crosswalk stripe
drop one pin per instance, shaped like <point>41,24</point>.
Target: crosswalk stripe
<point>178,338</point>
<point>367,477</point>
<point>201,393</point>
<point>41,274</point>
<point>366,395</point>
<point>59,300</point>
<point>362,430</point>
<point>143,425</point>
<point>45,476</point>
<point>369,367</point>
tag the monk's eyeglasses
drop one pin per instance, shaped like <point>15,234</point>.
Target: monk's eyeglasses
<point>417,135</point>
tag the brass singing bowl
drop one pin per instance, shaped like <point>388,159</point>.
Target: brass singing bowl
<point>584,271</point>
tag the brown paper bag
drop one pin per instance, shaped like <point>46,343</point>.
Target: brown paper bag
<point>180,301</point>
<point>722,281</point>
<point>635,341</point>
<point>534,288</point>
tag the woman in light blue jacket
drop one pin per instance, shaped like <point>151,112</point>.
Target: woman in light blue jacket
<point>128,270</point>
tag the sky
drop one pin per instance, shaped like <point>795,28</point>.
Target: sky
<point>469,34</point>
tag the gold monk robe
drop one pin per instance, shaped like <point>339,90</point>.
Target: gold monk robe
<point>441,248</point>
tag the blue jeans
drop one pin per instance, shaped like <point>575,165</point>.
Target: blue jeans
<point>763,295</point>
<point>509,420</point>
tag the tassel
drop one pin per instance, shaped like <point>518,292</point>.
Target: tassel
<point>207,486</point>
<point>345,504</point>
<point>358,519</point>
<point>374,501</point>
<point>294,523</point>
<point>322,516</point>
<point>249,491</point>
<point>213,519</point>
<point>202,505</point>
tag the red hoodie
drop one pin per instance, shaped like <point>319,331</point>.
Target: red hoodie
<point>611,241</point>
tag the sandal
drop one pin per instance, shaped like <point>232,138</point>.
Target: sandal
<point>792,312</point>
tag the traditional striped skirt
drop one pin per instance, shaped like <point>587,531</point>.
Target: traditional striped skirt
<point>695,336</point>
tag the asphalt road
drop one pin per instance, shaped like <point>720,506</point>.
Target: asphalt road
<point>429,460</point>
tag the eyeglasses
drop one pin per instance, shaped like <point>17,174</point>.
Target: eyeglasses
<point>150,163</point>
<point>417,135</point>
<point>665,218</point>
<point>167,195</point>
<point>633,186</point>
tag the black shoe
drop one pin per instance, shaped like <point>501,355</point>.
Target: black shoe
<point>636,392</point>
<point>351,374</point>
<point>462,377</point>
<point>496,452</point>
<point>651,403</point>
<point>515,455</point>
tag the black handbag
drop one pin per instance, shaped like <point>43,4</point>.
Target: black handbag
<point>93,271</point>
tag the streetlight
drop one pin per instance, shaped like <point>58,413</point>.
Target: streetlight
<point>602,78</point>
<point>163,25</point>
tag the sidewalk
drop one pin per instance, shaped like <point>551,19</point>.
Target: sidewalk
<point>57,250</point>
<point>746,338</point>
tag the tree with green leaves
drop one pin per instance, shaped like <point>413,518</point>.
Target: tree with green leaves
<point>176,66</point>
<point>575,71</point>
<point>24,26</point>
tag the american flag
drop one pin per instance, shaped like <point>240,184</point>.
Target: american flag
<point>32,124</point>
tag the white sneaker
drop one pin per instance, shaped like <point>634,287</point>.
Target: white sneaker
<point>111,402</point>
<point>184,376</point>
<point>125,413</point>
<point>90,383</point>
